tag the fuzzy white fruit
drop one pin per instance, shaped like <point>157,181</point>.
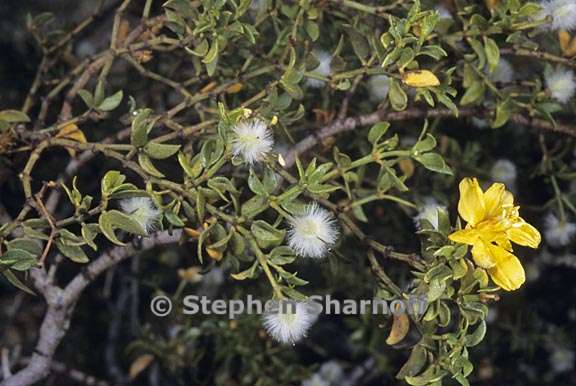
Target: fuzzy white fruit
<point>561,12</point>
<point>288,321</point>
<point>324,69</point>
<point>313,232</point>
<point>378,86</point>
<point>558,233</point>
<point>504,171</point>
<point>429,212</point>
<point>252,140</point>
<point>561,84</point>
<point>503,73</point>
<point>143,210</point>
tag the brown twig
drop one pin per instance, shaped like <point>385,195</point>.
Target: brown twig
<point>53,229</point>
<point>351,123</point>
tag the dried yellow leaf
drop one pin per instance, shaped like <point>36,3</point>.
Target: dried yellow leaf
<point>407,167</point>
<point>281,160</point>
<point>571,50</point>
<point>400,327</point>
<point>420,78</point>
<point>71,131</point>
<point>492,4</point>
<point>140,364</point>
<point>564,39</point>
<point>191,275</point>
<point>234,88</point>
<point>214,254</point>
<point>567,43</point>
<point>192,232</point>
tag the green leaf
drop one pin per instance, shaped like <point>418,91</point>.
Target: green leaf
<point>492,53</point>
<point>89,233</point>
<point>442,98</point>
<point>266,235</point>
<point>282,255</point>
<point>477,336</point>
<point>111,181</point>
<point>29,245</point>
<point>424,145</point>
<point>474,93</point>
<point>398,97</point>
<point>13,116</point>
<point>146,164</point>
<point>480,53</point>
<point>254,206</point>
<point>173,218</point>
<point>359,43</point>
<point>74,253</point>
<point>428,377</point>
<point>434,162</point>
<point>87,98</point>
<point>160,150</point>
<point>250,273</point>
<point>312,30</point>
<point>111,102</point>
<point>435,290</point>
<point>212,53</point>
<point>13,279</point>
<point>111,220</point>
<point>141,126</point>
<point>503,114</point>
<point>414,364</point>
<point>377,131</point>
<point>18,259</point>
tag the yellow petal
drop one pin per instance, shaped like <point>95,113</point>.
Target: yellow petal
<point>471,205</point>
<point>493,199</point>
<point>508,199</point>
<point>524,234</point>
<point>508,273</point>
<point>464,236</point>
<point>482,254</point>
<point>420,78</point>
<point>503,242</point>
<point>564,39</point>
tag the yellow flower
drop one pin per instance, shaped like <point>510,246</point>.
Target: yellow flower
<point>493,224</point>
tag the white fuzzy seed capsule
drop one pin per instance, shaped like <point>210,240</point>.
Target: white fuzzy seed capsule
<point>315,380</point>
<point>324,69</point>
<point>143,210</point>
<point>558,233</point>
<point>504,171</point>
<point>289,321</point>
<point>503,73</point>
<point>252,140</point>
<point>331,372</point>
<point>429,212</point>
<point>313,232</point>
<point>561,84</point>
<point>562,13</point>
<point>443,13</point>
<point>378,85</point>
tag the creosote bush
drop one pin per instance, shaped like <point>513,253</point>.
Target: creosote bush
<point>361,149</point>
